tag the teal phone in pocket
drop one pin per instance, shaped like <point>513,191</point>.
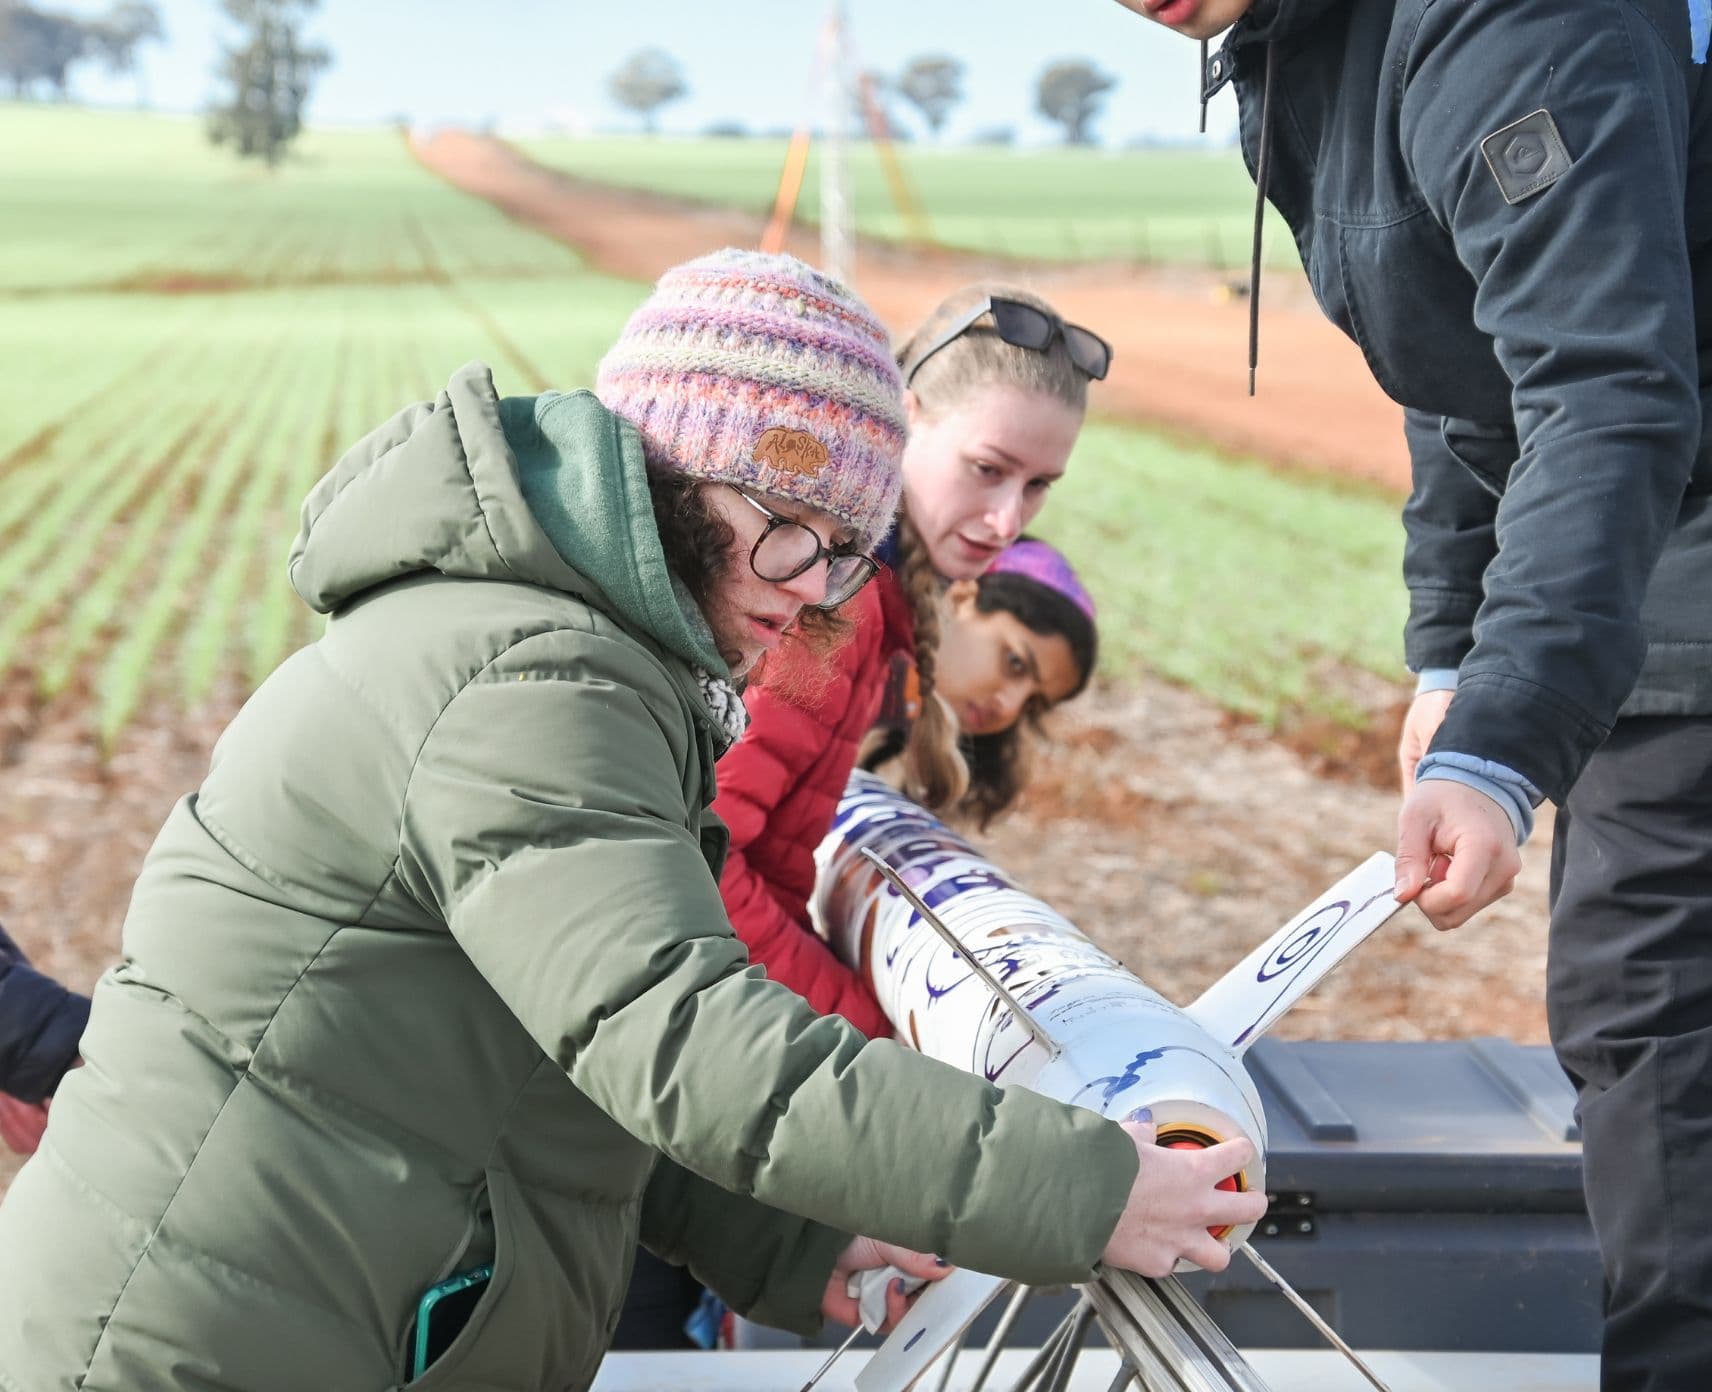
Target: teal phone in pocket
<point>441,1314</point>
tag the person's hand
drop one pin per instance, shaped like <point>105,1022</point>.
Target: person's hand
<point>1462,842</point>
<point>1173,1202</point>
<point>866,1254</point>
<point>1426,714</point>
<point>22,1123</point>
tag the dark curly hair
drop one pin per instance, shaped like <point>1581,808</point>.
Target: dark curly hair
<point>697,541</point>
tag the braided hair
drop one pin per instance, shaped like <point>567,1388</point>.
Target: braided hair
<point>935,772</point>
<point>935,769</point>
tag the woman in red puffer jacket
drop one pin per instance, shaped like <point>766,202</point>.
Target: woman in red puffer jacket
<point>997,388</point>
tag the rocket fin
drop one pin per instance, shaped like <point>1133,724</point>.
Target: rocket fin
<point>1247,1000</point>
<point>941,1312</point>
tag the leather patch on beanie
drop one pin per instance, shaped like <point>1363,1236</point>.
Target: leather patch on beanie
<point>1526,156</point>
<point>790,451</point>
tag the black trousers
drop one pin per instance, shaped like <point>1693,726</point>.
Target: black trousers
<point>660,1298</point>
<point>1629,995</point>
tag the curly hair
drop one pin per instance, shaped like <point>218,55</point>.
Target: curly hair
<point>698,543</point>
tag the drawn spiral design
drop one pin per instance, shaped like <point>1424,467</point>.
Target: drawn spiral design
<point>1294,949</point>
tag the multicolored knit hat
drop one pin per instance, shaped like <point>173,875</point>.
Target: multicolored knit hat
<point>1045,565</point>
<point>760,371</point>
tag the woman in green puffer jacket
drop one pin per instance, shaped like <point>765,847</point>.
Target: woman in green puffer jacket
<point>431,975</point>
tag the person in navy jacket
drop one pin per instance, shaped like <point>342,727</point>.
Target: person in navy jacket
<point>40,1025</point>
<point>1509,207</point>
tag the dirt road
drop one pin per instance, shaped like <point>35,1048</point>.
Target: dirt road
<point>1181,339</point>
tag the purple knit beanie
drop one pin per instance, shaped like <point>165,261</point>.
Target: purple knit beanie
<point>1045,565</point>
<point>758,370</point>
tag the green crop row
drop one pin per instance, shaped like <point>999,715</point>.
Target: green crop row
<point>108,200</point>
<point>190,345</point>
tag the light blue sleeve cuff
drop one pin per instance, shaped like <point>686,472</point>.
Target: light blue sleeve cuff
<point>1502,784</point>
<point>1435,679</point>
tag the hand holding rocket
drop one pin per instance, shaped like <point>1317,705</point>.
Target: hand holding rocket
<point>1183,1202</point>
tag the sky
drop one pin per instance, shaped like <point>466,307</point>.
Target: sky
<point>521,65</point>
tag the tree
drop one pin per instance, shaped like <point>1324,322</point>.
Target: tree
<point>268,68</point>
<point>646,81</point>
<point>1070,92</point>
<point>115,37</point>
<point>39,44</point>
<point>933,84</point>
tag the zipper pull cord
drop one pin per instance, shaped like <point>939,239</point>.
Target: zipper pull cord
<point>1263,169</point>
<point>1205,45</point>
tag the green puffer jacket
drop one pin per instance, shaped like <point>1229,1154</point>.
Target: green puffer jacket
<point>432,971</point>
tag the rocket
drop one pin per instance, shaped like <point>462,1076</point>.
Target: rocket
<point>1004,986</point>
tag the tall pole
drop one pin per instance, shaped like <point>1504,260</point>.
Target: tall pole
<point>836,204</point>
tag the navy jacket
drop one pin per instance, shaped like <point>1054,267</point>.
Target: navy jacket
<point>1537,298</point>
<point>40,1025</point>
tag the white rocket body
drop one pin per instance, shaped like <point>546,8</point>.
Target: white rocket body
<point>1123,1046</point>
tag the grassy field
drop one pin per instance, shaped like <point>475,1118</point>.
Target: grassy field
<point>190,343</point>
<point>1175,206</point>
<point>1257,588</point>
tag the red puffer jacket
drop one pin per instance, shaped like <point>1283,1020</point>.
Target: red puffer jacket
<point>778,789</point>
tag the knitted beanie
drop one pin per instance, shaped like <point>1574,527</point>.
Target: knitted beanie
<point>1045,565</point>
<point>760,371</point>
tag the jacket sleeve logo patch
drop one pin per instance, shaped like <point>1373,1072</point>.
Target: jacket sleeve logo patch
<point>791,451</point>
<point>1526,156</point>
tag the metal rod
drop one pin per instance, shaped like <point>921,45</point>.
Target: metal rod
<point>1027,1021</point>
<point>1047,1352</point>
<point>1187,1311</point>
<point>1126,1376</point>
<point>1057,1378</point>
<point>1191,1365</point>
<point>1126,1336</point>
<point>1001,1331</point>
<point>1311,1315</point>
<point>832,1358</point>
<point>1184,1335</point>
<point>950,1359</point>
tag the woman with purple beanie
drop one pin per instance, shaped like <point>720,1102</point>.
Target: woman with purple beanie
<point>1014,643</point>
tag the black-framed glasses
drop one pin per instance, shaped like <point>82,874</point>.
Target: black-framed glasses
<point>786,549</point>
<point>1023,325</point>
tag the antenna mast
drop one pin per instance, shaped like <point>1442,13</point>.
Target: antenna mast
<point>836,203</point>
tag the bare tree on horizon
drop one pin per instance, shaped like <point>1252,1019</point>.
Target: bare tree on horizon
<point>116,36</point>
<point>268,69</point>
<point>647,80</point>
<point>1070,93</point>
<point>933,84</point>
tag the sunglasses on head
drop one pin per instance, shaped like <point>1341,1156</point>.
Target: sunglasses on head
<point>1023,325</point>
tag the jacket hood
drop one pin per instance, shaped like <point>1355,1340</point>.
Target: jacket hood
<point>549,491</point>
